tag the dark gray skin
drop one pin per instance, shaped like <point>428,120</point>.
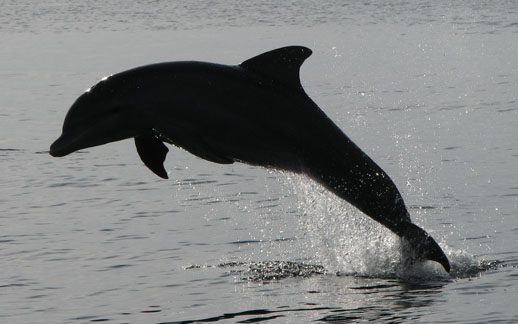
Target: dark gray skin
<point>256,113</point>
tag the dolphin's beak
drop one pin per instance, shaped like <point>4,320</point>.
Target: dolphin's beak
<point>62,146</point>
<point>72,141</point>
<point>103,132</point>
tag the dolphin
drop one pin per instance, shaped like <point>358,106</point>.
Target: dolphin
<point>256,112</point>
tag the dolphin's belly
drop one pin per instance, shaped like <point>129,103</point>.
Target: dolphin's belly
<point>227,143</point>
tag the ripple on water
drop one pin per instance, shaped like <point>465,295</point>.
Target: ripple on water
<point>463,266</point>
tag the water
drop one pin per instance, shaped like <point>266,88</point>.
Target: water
<point>428,91</point>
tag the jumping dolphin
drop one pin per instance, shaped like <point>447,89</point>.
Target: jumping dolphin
<point>256,112</point>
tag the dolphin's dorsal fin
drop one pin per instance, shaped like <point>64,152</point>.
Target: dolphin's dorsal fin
<point>282,64</point>
<point>152,152</point>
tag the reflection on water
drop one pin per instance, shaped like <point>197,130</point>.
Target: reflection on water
<point>269,315</point>
<point>381,300</point>
<point>353,300</point>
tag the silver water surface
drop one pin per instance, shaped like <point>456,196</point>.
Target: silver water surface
<point>429,91</point>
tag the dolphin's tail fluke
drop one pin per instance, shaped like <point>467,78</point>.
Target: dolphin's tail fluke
<point>423,245</point>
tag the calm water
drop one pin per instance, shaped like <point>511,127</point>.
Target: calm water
<point>429,91</point>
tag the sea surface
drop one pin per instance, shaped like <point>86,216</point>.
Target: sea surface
<point>428,89</point>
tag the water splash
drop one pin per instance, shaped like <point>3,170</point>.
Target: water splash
<point>347,242</point>
<point>465,265</point>
<point>340,236</point>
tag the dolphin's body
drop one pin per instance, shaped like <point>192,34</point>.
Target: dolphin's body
<point>256,113</point>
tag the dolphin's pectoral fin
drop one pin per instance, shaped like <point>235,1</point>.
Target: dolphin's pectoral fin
<point>424,245</point>
<point>282,64</point>
<point>152,152</point>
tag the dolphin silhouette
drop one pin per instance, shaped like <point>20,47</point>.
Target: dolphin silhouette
<point>256,112</point>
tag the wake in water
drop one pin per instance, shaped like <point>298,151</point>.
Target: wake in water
<point>273,270</point>
<point>264,271</point>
